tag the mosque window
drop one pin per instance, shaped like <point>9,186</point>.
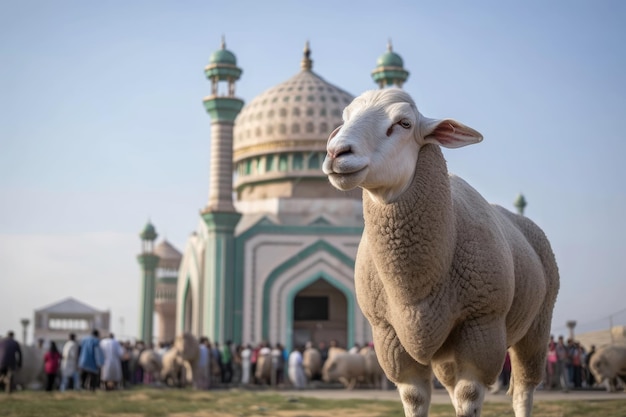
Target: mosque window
<point>298,98</point>
<point>270,113</point>
<point>311,88</point>
<point>297,162</point>
<point>257,166</point>
<point>269,129</point>
<point>300,88</point>
<point>295,128</point>
<point>296,111</point>
<point>310,308</point>
<point>282,112</point>
<point>258,132</point>
<point>290,89</point>
<point>324,128</point>
<point>323,111</point>
<point>310,128</point>
<point>283,164</point>
<point>320,88</point>
<point>322,98</point>
<point>336,112</point>
<point>269,163</point>
<point>282,128</point>
<point>286,98</point>
<point>346,100</point>
<point>310,111</point>
<point>314,161</point>
<point>248,167</point>
<point>275,99</point>
<point>311,98</point>
<point>334,99</point>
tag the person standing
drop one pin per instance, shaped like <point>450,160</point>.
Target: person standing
<point>51,365</point>
<point>69,364</point>
<point>227,362</point>
<point>10,360</point>
<point>562,356</point>
<point>111,371</point>
<point>90,360</point>
<point>295,368</point>
<point>202,381</point>
<point>245,364</point>
<point>591,380</point>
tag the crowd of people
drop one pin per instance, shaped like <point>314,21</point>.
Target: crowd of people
<point>105,363</point>
<point>567,365</point>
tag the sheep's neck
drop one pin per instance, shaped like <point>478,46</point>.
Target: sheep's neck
<point>411,239</point>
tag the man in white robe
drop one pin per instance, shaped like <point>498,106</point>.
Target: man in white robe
<point>111,371</point>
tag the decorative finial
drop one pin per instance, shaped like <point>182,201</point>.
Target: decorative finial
<point>223,44</point>
<point>389,46</point>
<point>307,62</point>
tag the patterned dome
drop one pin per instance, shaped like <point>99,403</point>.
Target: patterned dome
<point>282,133</point>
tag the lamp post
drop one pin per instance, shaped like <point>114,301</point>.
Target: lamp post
<point>570,325</point>
<point>25,323</point>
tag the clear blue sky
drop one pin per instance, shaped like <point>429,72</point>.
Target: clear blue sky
<point>102,126</point>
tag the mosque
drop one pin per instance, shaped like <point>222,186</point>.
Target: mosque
<point>273,255</point>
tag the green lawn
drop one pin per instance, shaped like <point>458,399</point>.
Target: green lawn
<point>180,403</point>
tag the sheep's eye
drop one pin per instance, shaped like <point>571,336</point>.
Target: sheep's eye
<point>405,123</point>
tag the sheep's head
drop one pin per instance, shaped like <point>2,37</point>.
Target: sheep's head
<point>377,146</point>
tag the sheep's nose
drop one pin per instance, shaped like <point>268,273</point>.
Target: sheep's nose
<point>342,150</point>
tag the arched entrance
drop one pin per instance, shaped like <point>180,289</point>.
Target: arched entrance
<point>320,313</point>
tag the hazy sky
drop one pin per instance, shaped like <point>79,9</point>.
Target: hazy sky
<point>102,126</point>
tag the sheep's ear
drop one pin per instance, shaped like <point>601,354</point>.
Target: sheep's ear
<point>448,133</point>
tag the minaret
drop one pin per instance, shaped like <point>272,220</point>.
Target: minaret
<point>148,261</point>
<point>520,204</point>
<point>389,71</point>
<point>220,214</point>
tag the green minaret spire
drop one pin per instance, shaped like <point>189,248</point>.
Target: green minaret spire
<point>389,71</point>
<point>220,214</point>
<point>520,204</point>
<point>148,261</point>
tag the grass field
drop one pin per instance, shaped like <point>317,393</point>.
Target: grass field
<point>234,403</point>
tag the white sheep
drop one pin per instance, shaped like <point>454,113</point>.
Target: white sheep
<point>608,365</point>
<point>446,280</point>
<point>347,368</point>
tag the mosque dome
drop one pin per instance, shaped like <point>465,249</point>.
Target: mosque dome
<point>390,59</point>
<point>280,137</point>
<point>169,256</point>
<point>223,56</point>
<point>389,69</point>
<point>148,232</point>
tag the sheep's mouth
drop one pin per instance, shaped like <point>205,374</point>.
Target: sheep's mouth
<point>346,181</point>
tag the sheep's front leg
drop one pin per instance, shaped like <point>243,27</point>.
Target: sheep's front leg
<point>414,381</point>
<point>479,355</point>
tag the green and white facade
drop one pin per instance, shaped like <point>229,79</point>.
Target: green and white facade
<point>273,256</point>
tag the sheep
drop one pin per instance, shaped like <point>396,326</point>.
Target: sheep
<point>347,368</point>
<point>151,363</point>
<point>373,372</point>
<point>311,362</point>
<point>446,280</point>
<point>32,367</point>
<point>181,360</point>
<point>609,363</point>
